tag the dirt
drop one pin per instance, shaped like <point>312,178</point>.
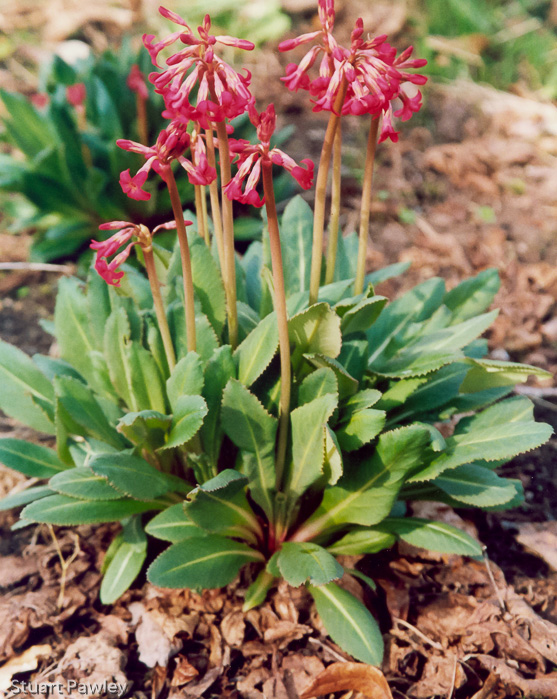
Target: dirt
<point>466,188</point>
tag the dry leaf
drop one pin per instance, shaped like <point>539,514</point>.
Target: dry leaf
<point>233,628</point>
<point>545,686</point>
<point>155,645</point>
<point>184,672</point>
<point>540,539</point>
<point>349,676</point>
<point>22,663</point>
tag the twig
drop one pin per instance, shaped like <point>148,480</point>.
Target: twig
<point>492,579</point>
<point>34,267</point>
<point>64,563</point>
<point>453,681</point>
<point>327,648</point>
<point>433,644</point>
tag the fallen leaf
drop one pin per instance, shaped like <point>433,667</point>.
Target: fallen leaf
<point>545,686</point>
<point>540,538</point>
<point>22,663</point>
<point>357,677</point>
<point>155,645</point>
<point>233,627</point>
<point>185,672</point>
<point>95,657</point>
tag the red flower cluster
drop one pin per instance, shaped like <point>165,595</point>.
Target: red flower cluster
<point>251,156</point>
<point>370,73</point>
<point>125,231</point>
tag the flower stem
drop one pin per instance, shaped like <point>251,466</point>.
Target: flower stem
<point>201,213</point>
<point>366,204</point>
<point>228,236</point>
<point>205,218</point>
<point>282,319</point>
<point>159,305</point>
<point>321,195</point>
<point>215,202</point>
<point>335,208</point>
<point>142,123</point>
<point>189,307</point>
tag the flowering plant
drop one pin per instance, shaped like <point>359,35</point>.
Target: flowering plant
<point>228,406</point>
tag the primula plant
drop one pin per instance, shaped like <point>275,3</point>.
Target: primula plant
<point>267,413</point>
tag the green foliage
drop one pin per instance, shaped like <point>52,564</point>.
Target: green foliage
<point>188,456</point>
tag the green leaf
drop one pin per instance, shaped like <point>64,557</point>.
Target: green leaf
<point>30,459</point>
<point>472,296</point>
<point>360,401</point>
<point>220,368</point>
<point>347,384</point>
<point>82,414</point>
<point>367,492</point>
<point>317,384</point>
<point>257,592</point>
<point>296,242</point>
<point>220,505</point>
<point>363,315</point>
<point>362,427</point>
<point>186,379</point>
<point>133,476</point>
<point>500,432</point>
<point>116,338</point>
<point>347,255</point>
<point>206,562</point>
<point>207,284</point>
<point>173,525</point>
<point>476,486</point>
<point>82,483</point>
<point>435,536</point>
<point>255,353</point>
<point>315,330</point>
<point>24,497</point>
<point>251,262</point>
<point>187,420</point>
<point>349,623</point>
<point>146,428</point>
<point>250,427</point>
<point>332,467</point>
<point>20,381</point>
<point>67,511</point>
<point>126,562</point>
<point>362,540</point>
<point>307,562</point>
<point>28,128</point>
<point>146,380</point>
<point>73,331</point>
<point>308,442</point>
<point>490,373</point>
<point>388,272</point>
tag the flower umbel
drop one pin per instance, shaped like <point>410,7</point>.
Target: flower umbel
<point>251,157</point>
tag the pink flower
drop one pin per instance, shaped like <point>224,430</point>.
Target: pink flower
<point>171,144</point>
<point>76,94</point>
<point>136,82</point>
<point>198,168</point>
<point>125,231</point>
<point>250,157</point>
<point>221,91</point>
<point>39,100</point>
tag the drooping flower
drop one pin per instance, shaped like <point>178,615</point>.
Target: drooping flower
<point>198,168</point>
<point>222,92</point>
<point>125,232</point>
<point>136,82</point>
<point>171,144</point>
<point>76,94</point>
<point>250,157</point>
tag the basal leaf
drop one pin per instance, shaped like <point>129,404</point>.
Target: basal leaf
<point>173,525</point>
<point>206,562</point>
<point>472,296</point>
<point>24,497</point>
<point>347,385</point>
<point>116,338</point>
<point>315,330</point>
<point>20,381</point>
<point>126,563</point>
<point>255,353</point>
<point>219,369</point>
<point>186,379</point>
<point>146,380</point>
<point>362,540</point>
<point>296,241</point>
<point>476,486</point>
<point>187,420</point>
<point>67,511</point>
<point>490,373</point>
<point>349,623</point>
<point>207,283</point>
<point>145,428</point>
<point>362,427</point>
<point>83,484</point>
<point>435,536</point>
<point>307,562</point>
<point>363,315</point>
<point>30,459</point>
<point>317,384</point>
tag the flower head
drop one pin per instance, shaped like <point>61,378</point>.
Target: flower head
<point>251,156</point>
<point>125,232</point>
<point>171,144</point>
<point>76,94</point>
<point>136,82</point>
<point>222,92</point>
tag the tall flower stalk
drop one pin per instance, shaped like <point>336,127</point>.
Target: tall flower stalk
<point>332,244</point>
<point>366,205</point>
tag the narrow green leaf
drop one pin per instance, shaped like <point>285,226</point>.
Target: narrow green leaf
<point>308,442</point>
<point>307,562</point>
<point>257,592</point>
<point>30,459</point>
<point>349,623</point>
<point>388,272</point>
<point>347,385</point>
<point>206,562</point>
<point>220,368</point>
<point>490,373</point>
<point>186,379</point>
<point>116,338</point>
<point>476,486</point>
<point>145,428</point>
<point>363,315</point>
<point>435,536</point>
<point>296,241</point>
<point>126,563</point>
<point>208,284</point>
<point>187,420</point>
<point>362,540</point>
<point>67,511</point>
<point>315,330</point>
<point>362,427</point>
<point>472,296</point>
<point>317,384</point>
<point>255,353</point>
<point>146,380</point>
<point>173,525</point>
<point>73,332</point>
<point>20,381</point>
<point>24,497</point>
<point>82,483</point>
